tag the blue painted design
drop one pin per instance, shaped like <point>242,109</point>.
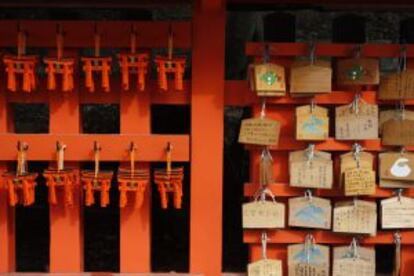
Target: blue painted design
<point>315,256</point>
<point>311,214</point>
<point>312,125</point>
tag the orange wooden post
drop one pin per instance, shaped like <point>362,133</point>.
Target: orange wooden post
<point>66,228</point>
<point>207,116</point>
<point>7,235</point>
<point>135,223</point>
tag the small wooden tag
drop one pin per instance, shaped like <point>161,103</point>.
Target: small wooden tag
<point>397,86</point>
<point>397,213</point>
<point>312,262</point>
<point>263,214</point>
<point>268,79</point>
<point>310,212</point>
<point>344,264</point>
<point>397,166</point>
<point>357,217</point>
<point>265,267</point>
<point>350,125</point>
<point>259,131</point>
<point>398,132</point>
<point>386,115</point>
<point>396,170</point>
<point>348,161</point>
<point>312,123</point>
<point>358,71</point>
<point>314,173</point>
<point>311,78</point>
<point>359,181</point>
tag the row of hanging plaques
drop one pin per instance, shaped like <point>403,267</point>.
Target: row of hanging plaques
<point>358,120</point>
<point>312,259</point>
<point>23,66</point>
<point>353,216</point>
<point>132,182</point>
<point>315,77</point>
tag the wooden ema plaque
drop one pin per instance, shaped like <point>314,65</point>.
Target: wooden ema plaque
<point>356,122</point>
<point>358,71</point>
<point>312,123</point>
<point>349,161</point>
<point>316,172</point>
<point>265,267</point>
<point>261,214</point>
<point>396,170</point>
<point>346,264</point>
<point>397,86</point>
<point>310,78</point>
<point>308,260</point>
<point>397,213</point>
<point>310,212</point>
<point>386,115</point>
<point>259,131</point>
<point>357,217</point>
<point>267,79</point>
<point>398,132</point>
<point>359,181</point>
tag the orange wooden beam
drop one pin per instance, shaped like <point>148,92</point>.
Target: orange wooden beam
<point>79,34</point>
<point>135,224</point>
<point>207,113</point>
<point>284,190</point>
<point>289,236</point>
<point>66,255</point>
<point>80,147</point>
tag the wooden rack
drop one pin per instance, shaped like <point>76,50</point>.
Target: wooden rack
<point>282,109</point>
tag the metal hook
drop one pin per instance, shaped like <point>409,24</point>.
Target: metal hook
<point>308,194</point>
<point>355,201</point>
<point>403,150</point>
<point>399,193</point>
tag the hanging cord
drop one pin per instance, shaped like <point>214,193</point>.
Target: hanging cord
<point>353,248</point>
<point>133,39</point>
<point>96,149</point>
<point>355,105</point>
<point>22,149</point>
<point>266,168</point>
<point>310,154</point>
<point>357,149</point>
<point>309,247</point>
<point>60,156</point>
<point>264,240</point>
<point>402,60</point>
<point>132,150</point>
<point>263,109</point>
<point>312,51</point>
<point>397,260</point>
